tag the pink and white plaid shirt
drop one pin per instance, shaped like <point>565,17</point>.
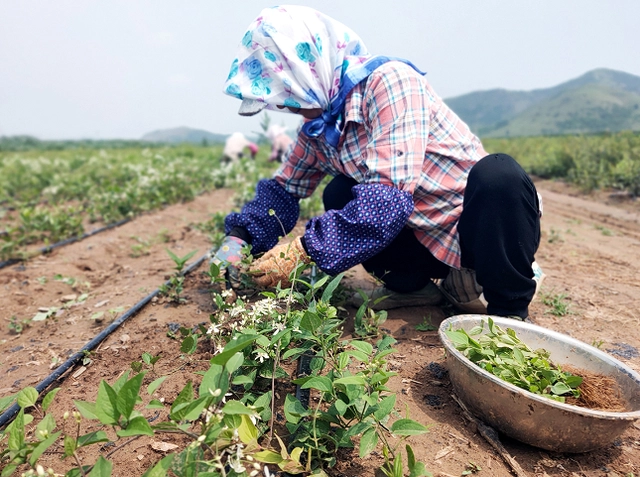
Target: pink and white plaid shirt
<point>397,132</point>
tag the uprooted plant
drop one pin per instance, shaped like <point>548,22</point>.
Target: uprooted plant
<point>504,355</point>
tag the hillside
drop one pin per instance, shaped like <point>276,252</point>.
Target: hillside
<point>600,100</point>
<point>183,134</point>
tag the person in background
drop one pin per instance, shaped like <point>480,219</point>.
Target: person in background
<point>235,145</point>
<point>280,142</point>
<point>414,195</point>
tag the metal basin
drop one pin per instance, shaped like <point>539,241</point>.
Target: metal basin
<point>531,418</point>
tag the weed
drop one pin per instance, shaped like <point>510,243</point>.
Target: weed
<point>16,325</point>
<point>557,303</point>
<point>99,316</point>
<point>554,236</point>
<point>87,357</point>
<point>426,325</point>
<point>597,343</point>
<point>142,247</point>
<point>471,468</point>
<point>367,321</point>
<point>45,314</point>
<point>147,359</point>
<point>605,231</point>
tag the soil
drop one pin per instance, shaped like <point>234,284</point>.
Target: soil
<point>590,252</point>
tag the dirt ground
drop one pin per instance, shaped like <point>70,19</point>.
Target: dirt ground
<point>590,252</point>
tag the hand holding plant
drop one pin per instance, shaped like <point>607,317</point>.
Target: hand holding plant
<point>277,264</point>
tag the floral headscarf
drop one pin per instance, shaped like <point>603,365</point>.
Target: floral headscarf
<point>293,56</point>
<point>298,57</point>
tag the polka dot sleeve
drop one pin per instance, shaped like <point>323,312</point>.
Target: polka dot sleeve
<point>265,229</point>
<point>340,239</point>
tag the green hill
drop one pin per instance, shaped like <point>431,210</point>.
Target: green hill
<point>598,101</point>
<point>184,135</point>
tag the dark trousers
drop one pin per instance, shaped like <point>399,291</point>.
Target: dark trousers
<point>499,232</point>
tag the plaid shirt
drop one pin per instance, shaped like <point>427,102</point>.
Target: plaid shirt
<point>397,133</point>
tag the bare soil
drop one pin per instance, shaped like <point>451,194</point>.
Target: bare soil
<point>590,252</point>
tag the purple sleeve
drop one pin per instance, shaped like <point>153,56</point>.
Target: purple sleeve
<point>254,217</point>
<point>340,239</point>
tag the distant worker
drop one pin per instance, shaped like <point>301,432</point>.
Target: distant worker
<point>235,146</point>
<point>280,142</point>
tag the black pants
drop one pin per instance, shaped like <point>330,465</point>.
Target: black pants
<point>499,232</point>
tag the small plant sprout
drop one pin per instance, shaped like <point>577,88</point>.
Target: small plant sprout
<point>605,231</point>
<point>471,468</point>
<point>554,236</point>
<point>86,359</point>
<point>175,285</point>
<point>367,321</point>
<point>557,303</point>
<point>147,359</point>
<point>426,325</point>
<point>16,325</point>
<point>180,261</point>
<point>45,314</point>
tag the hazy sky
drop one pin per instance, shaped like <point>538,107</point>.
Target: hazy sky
<point>121,68</point>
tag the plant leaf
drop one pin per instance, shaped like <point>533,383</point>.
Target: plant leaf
<point>408,427</point>
<point>321,383</point>
<point>48,399</point>
<point>102,468</point>
<point>368,442</point>
<point>27,397</point>
<point>155,384</point>
<point>128,395</point>
<point>43,446</point>
<point>138,426</point>
<point>92,438</point>
<point>161,468</point>
<point>87,409</point>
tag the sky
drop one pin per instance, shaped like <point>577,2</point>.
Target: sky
<point>98,69</point>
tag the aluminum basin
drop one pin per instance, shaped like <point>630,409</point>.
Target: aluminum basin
<point>531,418</point>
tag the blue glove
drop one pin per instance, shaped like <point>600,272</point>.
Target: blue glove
<point>228,257</point>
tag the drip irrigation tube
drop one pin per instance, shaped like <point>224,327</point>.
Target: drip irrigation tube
<point>11,412</point>
<point>64,242</point>
<point>304,362</point>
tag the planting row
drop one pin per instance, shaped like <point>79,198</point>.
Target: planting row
<point>227,413</point>
<point>48,196</point>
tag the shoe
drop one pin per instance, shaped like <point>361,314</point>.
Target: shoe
<point>382,298</point>
<point>462,290</point>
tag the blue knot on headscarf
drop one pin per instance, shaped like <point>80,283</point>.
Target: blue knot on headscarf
<point>329,123</point>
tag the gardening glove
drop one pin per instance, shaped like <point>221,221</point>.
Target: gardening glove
<point>277,264</point>
<point>228,258</point>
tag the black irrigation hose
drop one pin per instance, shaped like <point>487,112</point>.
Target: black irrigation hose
<point>62,243</point>
<point>10,413</point>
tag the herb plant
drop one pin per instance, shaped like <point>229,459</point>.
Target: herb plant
<point>504,355</point>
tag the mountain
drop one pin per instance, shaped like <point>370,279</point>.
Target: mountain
<point>598,101</point>
<point>184,134</point>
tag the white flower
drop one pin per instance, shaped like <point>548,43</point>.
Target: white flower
<point>214,329</point>
<point>261,355</point>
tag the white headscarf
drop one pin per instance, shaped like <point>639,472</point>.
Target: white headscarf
<point>294,56</point>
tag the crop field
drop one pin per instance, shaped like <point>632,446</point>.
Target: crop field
<point>48,196</point>
<point>610,161</point>
<point>127,354</point>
